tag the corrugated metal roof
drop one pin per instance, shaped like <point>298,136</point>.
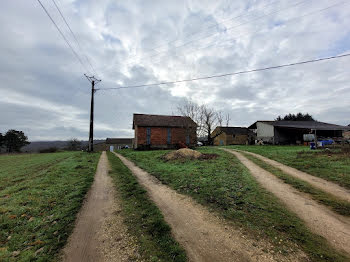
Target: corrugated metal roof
<point>302,125</point>
<point>162,121</point>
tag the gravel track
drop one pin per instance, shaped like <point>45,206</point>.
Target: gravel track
<point>326,186</point>
<point>335,228</point>
<point>204,236</point>
<point>99,233</point>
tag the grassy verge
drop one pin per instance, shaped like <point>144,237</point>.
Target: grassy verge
<point>143,218</point>
<point>226,186</point>
<point>339,206</point>
<point>40,195</point>
<point>333,165</point>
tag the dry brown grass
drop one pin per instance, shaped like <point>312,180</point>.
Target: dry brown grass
<point>183,153</point>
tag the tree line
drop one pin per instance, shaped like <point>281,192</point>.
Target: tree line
<point>296,117</point>
<point>13,141</point>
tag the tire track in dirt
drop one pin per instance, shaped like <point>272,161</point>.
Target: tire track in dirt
<point>204,236</point>
<point>335,228</point>
<point>95,237</point>
<point>326,186</point>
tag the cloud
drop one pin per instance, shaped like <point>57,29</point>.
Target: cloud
<point>44,92</point>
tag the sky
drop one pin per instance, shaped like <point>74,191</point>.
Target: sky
<point>45,94</point>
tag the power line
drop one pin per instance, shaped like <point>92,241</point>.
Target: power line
<point>231,74</point>
<point>195,33</point>
<point>256,31</point>
<point>74,36</point>
<point>65,39</point>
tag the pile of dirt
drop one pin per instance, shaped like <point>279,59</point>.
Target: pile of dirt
<point>183,153</point>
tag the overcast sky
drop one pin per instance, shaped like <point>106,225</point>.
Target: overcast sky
<point>45,94</point>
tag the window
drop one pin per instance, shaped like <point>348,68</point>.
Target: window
<point>187,139</point>
<point>169,136</point>
<point>148,137</point>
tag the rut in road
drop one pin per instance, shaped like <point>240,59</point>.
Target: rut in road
<point>204,236</point>
<point>93,238</point>
<point>335,228</point>
<point>320,183</point>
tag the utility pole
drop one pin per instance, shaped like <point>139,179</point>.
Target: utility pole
<point>93,81</point>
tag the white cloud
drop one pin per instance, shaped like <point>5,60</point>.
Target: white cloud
<point>41,78</point>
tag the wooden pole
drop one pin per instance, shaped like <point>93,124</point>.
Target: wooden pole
<point>91,133</point>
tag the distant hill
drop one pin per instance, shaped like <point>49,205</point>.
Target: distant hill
<point>36,146</point>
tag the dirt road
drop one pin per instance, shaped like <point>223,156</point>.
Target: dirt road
<point>99,234</point>
<point>320,183</point>
<point>322,221</point>
<point>204,236</point>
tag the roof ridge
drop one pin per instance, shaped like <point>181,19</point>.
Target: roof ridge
<point>158,115</point>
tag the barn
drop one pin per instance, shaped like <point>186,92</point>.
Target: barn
<point>224,136</point>
<point>163,131</point>
<point>118,143</point>
<point>292,132</point>
<point>111,144</point>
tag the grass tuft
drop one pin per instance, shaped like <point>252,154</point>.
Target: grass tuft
<point>332,165</point>
<point>340,206</point>
<point>40,195</point>
<point>226,186</point>
<point>143,218</point>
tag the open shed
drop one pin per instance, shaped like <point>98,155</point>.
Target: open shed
<point>292,132</point>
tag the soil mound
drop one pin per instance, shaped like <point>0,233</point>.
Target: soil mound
<point>183,153</point>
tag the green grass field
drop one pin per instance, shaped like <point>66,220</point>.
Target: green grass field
<point>143,218</point>
<point>333,166</point>
<point>40,195</point>
<point>226,186</point>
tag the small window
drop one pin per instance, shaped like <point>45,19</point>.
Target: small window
<point>169,136</point>
<point>187,139</point>
<point>148,137</point>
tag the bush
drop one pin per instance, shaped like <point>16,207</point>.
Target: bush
<point>49,150</point>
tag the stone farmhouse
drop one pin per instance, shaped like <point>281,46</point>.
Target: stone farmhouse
<point>224,136</point>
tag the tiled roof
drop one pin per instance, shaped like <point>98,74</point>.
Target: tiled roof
<point>162,121</point>
<point>119,141</point>
<point>234,130</point>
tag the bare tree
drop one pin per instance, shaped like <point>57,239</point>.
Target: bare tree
<point>220,118</point>
<point>194,111</point>
<point>188,108</point>
<point>227,119</point>
<point>207,118</point>
<point>74,144</point>
<point>210,119</point>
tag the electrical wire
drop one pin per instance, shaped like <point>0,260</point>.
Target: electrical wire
<point>74,36</point>
<point>231,74</point>
<point>202,31</point>
<point>65,39</point>
<point>296,18</point>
